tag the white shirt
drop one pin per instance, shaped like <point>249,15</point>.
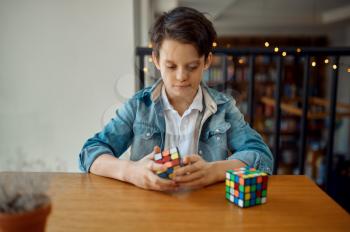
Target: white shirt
<point>181,131</point>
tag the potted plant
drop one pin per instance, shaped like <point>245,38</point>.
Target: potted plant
<point>24,204</point>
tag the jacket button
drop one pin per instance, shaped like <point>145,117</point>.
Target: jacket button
<point>148,134</point>
<point>217,138</point>
<point>200,152</point>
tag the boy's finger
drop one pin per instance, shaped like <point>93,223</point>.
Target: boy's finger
<point>165,184</point>
<point>157,167</point>
<point>188,178</point>
<point>186,169</point>
<point>190,159</point>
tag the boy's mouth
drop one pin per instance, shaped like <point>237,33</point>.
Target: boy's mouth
<point>181,86</point>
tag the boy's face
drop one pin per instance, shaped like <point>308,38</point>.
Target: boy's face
<point>181,68</point>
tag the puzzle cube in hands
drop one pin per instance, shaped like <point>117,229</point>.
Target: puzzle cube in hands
<point>172,160</point>
<point>246,187</point>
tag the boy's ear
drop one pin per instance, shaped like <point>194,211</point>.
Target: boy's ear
<point>155,60</point>
<point>208,61</point>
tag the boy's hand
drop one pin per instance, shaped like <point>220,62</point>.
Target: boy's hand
<point>143,174</point>
<point>196,173</point>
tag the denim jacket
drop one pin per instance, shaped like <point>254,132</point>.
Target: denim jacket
<point>223,133</point>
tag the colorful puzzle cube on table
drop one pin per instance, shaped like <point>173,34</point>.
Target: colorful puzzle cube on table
<point>172,160</point>
<point>246,187</point>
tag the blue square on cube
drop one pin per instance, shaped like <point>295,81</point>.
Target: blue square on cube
<point>252,201</point>
<point>253,181</point>
<point>253,195</point>
<point>236,179</point>
<point>258,187</point>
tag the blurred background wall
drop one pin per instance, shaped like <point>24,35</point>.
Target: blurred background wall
<point>64,66</point>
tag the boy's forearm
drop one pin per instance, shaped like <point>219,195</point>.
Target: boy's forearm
<point>110,166</point>
<point>220,168</point>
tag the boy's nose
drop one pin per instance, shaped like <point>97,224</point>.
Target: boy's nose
<point>181,75</point>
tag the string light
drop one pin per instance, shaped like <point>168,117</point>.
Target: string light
<point>284,53</point>
<point>150,45</point>
<point>214,44</point>
<point>326,61</point>
<point>145,69</point>
<point>335,66</point>
<point>298,49</point>
<point>313,64</point>
<point>267,44</point>
<point>276,49</point>
<point>150,60</point>
<point>241,61</point>
<point>348,70</point>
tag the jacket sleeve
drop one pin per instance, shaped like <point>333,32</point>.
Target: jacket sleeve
<point>114,139</point>
<point>245,143</point>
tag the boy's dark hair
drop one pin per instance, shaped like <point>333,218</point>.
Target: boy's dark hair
<point>185,25</point>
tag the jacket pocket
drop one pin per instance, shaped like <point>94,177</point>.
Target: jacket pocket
<point>145,131</point>
<point>217,132</point>
<point>145,138</point>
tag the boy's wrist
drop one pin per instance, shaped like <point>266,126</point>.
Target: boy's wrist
<point>218,171</point>
<point>121,170</point>
<point>220,168</point>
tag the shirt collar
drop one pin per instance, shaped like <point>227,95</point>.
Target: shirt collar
<point>197,103</point>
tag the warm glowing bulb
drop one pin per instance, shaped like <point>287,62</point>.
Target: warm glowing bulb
<point>335,66</point>
<point>214,44</point>
<point>150,45</point>
<point>145,69</point>
<point>298,50</point>
<point>150,60</point>
<point>348,70</point>
<point>326,61</point>
<point>284,53</point>
<point>276,49</point>
<point>267,44</point>
<point>313,64</point>
<point>241,61</point>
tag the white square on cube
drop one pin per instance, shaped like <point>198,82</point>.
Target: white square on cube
<point>232,199</point>
<point>228,176</point>
<point>263,200</point>
<point>240,203</point>
<point>232,190</point>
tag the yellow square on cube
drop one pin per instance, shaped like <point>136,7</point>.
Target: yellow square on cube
<point>228,182</point>
<point>174,156</point>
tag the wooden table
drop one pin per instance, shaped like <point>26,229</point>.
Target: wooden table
<point>85,202</point>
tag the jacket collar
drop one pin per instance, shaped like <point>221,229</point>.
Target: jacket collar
<point>212,98</point>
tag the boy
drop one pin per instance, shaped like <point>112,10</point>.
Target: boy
<point>178,110</point>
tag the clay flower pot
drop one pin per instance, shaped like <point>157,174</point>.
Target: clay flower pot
<point>31,221</point>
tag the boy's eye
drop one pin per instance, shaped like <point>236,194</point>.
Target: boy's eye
<point>192,68</point>
<point>171,67</point>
